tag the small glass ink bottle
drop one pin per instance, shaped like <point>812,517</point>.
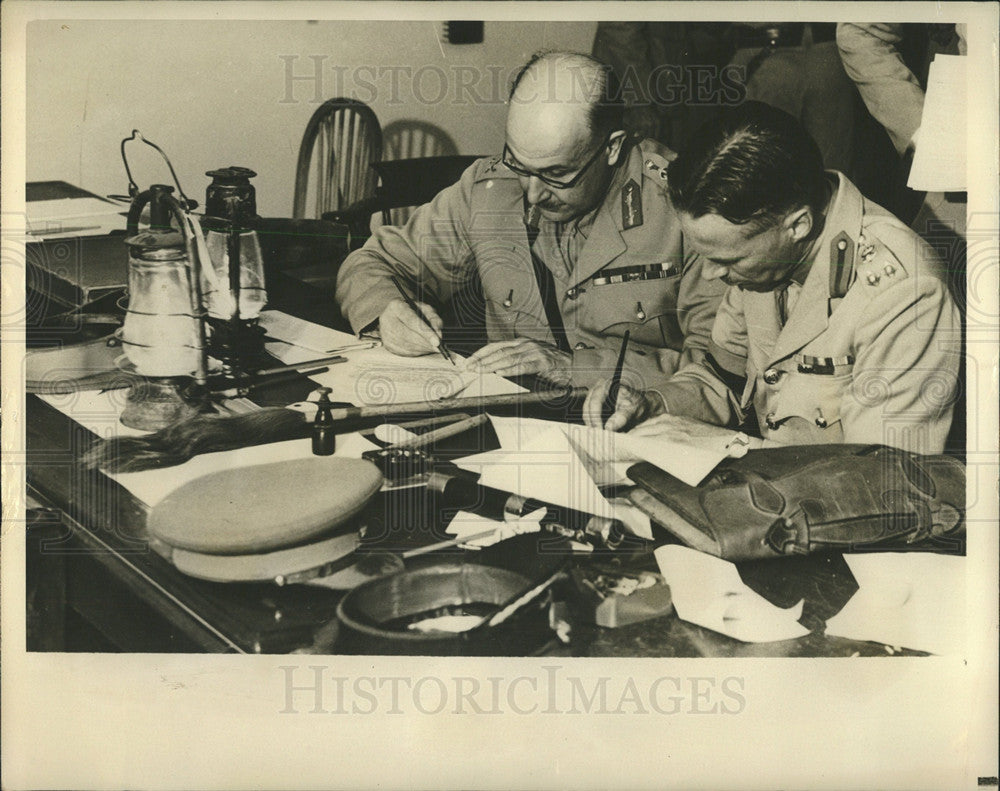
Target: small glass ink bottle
<point>324,438</point>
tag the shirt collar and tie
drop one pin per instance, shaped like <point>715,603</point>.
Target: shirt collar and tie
<point>563,242</point>
<point>786,295</point>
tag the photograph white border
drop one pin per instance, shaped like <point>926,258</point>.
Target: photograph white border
<point>194,721</point>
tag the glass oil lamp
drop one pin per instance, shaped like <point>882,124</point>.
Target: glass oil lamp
<point>163,335</point>
<point>233,281</point>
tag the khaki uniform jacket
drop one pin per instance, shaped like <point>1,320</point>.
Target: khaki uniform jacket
<point>631,273</point>
<point>879,365</point>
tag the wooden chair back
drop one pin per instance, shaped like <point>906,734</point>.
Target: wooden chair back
<point>343,139</point>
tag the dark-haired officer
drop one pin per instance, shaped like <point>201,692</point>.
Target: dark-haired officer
<point>572,237</point>
<point>837,326</point>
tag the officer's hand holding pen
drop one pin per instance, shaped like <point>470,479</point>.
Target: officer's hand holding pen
<point>632,407</point>
<point>404,333</point>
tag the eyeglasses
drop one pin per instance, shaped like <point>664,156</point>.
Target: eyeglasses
<point>514,167</point>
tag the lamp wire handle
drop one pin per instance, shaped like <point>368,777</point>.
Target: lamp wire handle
<point>133,188</point>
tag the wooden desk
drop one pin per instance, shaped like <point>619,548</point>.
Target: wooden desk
<point>93,584</point>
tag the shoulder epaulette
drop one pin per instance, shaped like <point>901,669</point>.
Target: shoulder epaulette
<point>492,168</point>
<point>655,160</point>
<point>877,266</point>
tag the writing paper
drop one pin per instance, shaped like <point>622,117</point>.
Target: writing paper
<point>377,377</point>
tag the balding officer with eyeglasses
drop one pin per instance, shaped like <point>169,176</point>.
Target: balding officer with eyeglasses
<point>571,234</point>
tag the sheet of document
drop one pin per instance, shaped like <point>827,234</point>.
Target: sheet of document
<point>907,599</point>
<point>539,459</point>
<point>939,163</point>
<point>708,591</point>
<point>376,376</point>
<point>546,468</point>
<point>607,455</point>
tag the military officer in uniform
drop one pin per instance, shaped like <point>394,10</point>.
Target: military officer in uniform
<point>837,326</point>
<point>571,234</point>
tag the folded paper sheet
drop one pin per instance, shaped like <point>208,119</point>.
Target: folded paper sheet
<point>907,599</point>
<point>708,591</point>
<point>372,377</point>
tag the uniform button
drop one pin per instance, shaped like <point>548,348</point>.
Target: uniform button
<point>769,420</point>
<point>639,312</point>
<point>890,270</point>
<point>581,346</point>
<point>821,421</point>
<point>572,293</point>
<point>872,279</point>
<point>772,375</point>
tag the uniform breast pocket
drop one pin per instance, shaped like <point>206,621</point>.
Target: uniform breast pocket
<point>505,322</point>
<point>647,308</point>
<point>811,398</point>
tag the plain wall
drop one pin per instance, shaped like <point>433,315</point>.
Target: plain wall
<point>213,94</point>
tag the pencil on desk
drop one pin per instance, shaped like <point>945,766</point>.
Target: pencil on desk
<point>355,347</point>
<point>321,361</point>
<point>413,306</point>
<point>611,402</point>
